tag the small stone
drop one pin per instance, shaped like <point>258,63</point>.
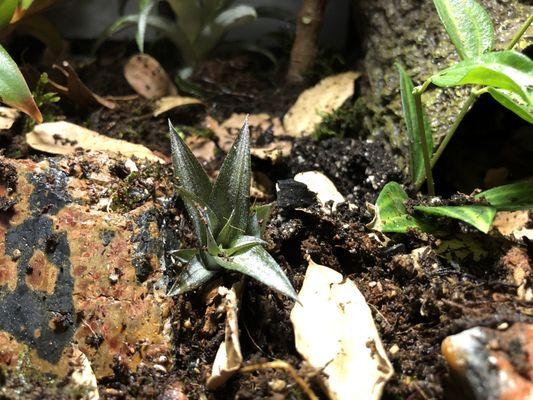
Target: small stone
<point>394,349</point>
<point>277,385</point>
<point>113,278</point>
<point>16,254</point>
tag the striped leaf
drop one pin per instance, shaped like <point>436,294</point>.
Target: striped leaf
<point>516,196</point>
<point>480,217</point>
<point>193,276</point>
<point>468,25</point>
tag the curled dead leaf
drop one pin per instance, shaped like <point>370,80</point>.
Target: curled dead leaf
<point>148,78</point>
<point>323,98</point>
<point>8,116</point>
<point>171,102</point>
<point>65,138</point>
<point>324,188</point>
<point>76,90</point>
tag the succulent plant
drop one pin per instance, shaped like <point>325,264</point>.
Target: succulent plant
<point>228,229</point>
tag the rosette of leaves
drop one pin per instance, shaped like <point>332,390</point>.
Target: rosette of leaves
<point>228,229</point>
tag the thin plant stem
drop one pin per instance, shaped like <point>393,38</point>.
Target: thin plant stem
<point>518,35</point>
<point>423,141</point>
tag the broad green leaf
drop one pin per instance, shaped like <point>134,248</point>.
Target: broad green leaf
<point>480,217</point>
<point>193,276</point>
<point>512,197</point>
<point>468,25</point>
<point>244,243</point>
<point>13,88</point>
<point>231,191</point>
<point>7,9</point>
<point>145,8</point>
<point>257,263</point>
<point>410,113</point>
<point>513,102</point>
<point>391,214</point>
<point>507,70</point>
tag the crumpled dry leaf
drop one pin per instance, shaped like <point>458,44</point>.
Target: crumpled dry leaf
<point>168,103</point>
<point>148,78</point>
<point>335,333</point>
<point>82,374</point>
<point>64,138</point>
<point>229,357</point>
<point>514,224</point>
<point>323,98</point>
<point>267,134</point>
<point>202,147</point>
<point>8,116</point>
<point>320,184</point>
<point>76,90</point>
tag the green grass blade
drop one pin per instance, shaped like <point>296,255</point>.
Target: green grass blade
<point>480,217</point>
<point>468,25</point>
<point>512,197</point>
<point>416,156</point>
<point>513,103</point>
<point>507,70</point>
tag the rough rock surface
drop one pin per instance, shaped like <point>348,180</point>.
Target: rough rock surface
<point>75,272</point>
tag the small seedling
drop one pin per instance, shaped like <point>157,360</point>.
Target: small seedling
<point>505,75</point>
<point>228,230</point>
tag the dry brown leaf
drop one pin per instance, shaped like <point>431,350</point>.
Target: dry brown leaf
<point>335,332</point>
<point>320,184</point>
<point>83,375</point>
<point>148,78</point>
<point>8,116</point>
<point>513,223</point>
<point>323,98</point>
<point>229,357</point>
<point>203,148</point>
<point>76,90</point>
<point>170,102</point>
<point>64,138</point>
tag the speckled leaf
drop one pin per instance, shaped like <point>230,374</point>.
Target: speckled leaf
<point>231,191</point>
<point>193,276</point>
<point>513,102</point>
<point>184,255</point>
<point>507,70</point>
<point>513,197</point>
<point>244,243</point>
<point>13,88</point>
<point>391,214</point>
<point>468,25</point>
<point>478,216</point>
<point>257,263</point>
<point>416,156</point>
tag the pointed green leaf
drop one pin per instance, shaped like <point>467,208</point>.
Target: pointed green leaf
<point>513,197</point>
<point>212,247</point>
<point>229,231</point>
<point>231,191</point>
<point>257,263</point>
<point>468,25</point>
<point>259,219</point>
<point>190,16</point>
<point>193,276</point>
<point>200,213</point>
<point>513,103</point>
<point>507,70</point>
<point>184,255</point>
<point>145,8</point>
<point>7,9</point>
<point>410,113</point>
<point>244,243</point>
<point>13,88</point>
<point>391,214</point>
<point>480,217</point>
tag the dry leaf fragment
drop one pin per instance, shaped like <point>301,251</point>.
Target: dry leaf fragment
<point>202,147</point>
<point>335,333</point>
<point>320,184</point>
<point>64,138</point>
<point>229,357</point>
<point>170,102</point>
<point>8,116</point>
<point>76,90</point>
<point>514,224</point>
<point>83,375</point>
<point>327,96</point>
<point>148,78</point>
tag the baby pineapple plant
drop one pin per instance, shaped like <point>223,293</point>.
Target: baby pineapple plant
<point>228,229</point>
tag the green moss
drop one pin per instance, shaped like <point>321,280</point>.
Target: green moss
<point>346,121</point>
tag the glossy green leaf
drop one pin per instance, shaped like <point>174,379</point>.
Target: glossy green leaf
<point>7,9</point>
<point>507,70</point>
<point>13,88</point>
<point>480,217</point>
<point>513,103</point>
<point>145,8</point>
<point>391,214</point>
<point>193,276</point>
<point>468,25</point>
<point>244,243</point>
<point>512,197</point>
<point>184,255</point>
<point>410,113</point>
<point>231,191</point>
<point>257,263</point>
<point>229,231</point>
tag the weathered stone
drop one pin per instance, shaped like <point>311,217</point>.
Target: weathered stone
<point>488,364</point>
<point>72,274</point>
